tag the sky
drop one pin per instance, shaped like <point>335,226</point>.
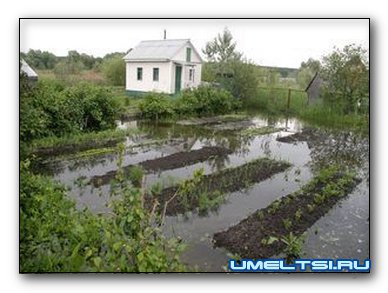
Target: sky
<point>269,42</point>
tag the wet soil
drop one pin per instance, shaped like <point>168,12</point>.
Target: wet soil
<point>306,135</point>
<point>219,183</point>
<point>173,161</point>
<point>245,239</point>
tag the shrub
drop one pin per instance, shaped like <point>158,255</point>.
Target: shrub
<point>114,70</point>
<point>56,237</point>
<point>206,100</point>
<point>51,109</point>
<point>156,106</point>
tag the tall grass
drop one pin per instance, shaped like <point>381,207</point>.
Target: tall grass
<point>275,101</point>
<point>320,115</point>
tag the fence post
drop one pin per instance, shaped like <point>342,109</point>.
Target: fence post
<point>289,99</point>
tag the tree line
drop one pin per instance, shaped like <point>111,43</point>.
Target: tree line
<point>112,66</point>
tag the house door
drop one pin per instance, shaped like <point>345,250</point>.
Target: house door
<point>178,78</point>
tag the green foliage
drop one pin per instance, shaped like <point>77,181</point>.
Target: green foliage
<point>205,101</point>
<point>306,72</point>
<point>294,245</point>
<point>332,116</point>
<point>274,207</point>
<point>202,101</point>
<point>298,214</point>
<point>346,72</point>
<point>77,140</point>
<point>208,201</point>
<point>40,60</point>
<point>187,187</point>
<point>56,237</point>
<point>243,81</point>
<point>275,101</point>
<point>270,240</point>
<point>311,208</point>
<point>113,69</point>
<point>222,48</point>
<point>287,224</point>
<point>156,106</point>
<point>51,109</point>
<point>136,175</point>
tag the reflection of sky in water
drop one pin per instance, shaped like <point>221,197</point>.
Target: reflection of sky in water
<point>342,232</point>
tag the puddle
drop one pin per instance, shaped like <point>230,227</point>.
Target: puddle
<point>342,232</point>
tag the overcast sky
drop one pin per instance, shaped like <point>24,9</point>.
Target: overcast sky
<point>266,42</point>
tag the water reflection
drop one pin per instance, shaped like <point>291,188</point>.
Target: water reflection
<point>339,232</point>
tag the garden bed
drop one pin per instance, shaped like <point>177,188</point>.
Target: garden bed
<point>173,161</point>
<point>259,235</point>
<point>207,191</point>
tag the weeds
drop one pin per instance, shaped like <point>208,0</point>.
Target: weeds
<point>294,245</point>
<point>287,224</point>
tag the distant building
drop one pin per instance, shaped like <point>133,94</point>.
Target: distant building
<point>166,66</point>
<point>28,71</point>
<point>314,88</point>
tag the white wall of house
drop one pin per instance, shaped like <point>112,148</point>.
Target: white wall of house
<point>190,78</point>
<point>147,84</point>
<point>181,55</point>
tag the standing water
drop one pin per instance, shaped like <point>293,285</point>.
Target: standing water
<point>342,233</point>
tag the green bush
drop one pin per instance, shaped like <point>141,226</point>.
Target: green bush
<point>156,106</point>
<point>56,237</point>
<point>114,70</point>
<point>51,109</point>
<point>204,101</point>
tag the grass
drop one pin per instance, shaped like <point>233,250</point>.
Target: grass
<point>272,101</point>
<point>275,101</point>
<point>321,116</point>
<point>94,139</point>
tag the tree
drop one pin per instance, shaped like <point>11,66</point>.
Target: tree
<point>40,60</point>
<point>113,69</point>
<point>306,72</point>
<point>346,72</point>
<point>222,48</point>
<point>228,68</point>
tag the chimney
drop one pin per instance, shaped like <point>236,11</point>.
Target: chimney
<point>165,33</point>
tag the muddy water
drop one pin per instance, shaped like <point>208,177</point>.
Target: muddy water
<point>343,232</point>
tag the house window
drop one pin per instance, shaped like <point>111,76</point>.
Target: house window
<point>191,74</point>
<point>155,74</point>
<point>188,54</point>
<point>140,73</point>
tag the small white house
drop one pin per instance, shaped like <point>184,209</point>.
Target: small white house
<point>165,66</point>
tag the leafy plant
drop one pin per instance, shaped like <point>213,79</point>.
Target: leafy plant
<point>156,106</point>
<point>287,223</point>
<point>270,240</point>
<point>310,208</point>
<point>274,207</point>
<point>294,246</point>
<point>136,175</point>
<point>298,214</point>
<point>56,237</point>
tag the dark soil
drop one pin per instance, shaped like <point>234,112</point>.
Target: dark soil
<point>225,181</point>
<point>307,134</point>
<point>173,161</point>
<point>245,238</point>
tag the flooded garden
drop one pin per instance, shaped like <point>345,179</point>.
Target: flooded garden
<point>234,186</point>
